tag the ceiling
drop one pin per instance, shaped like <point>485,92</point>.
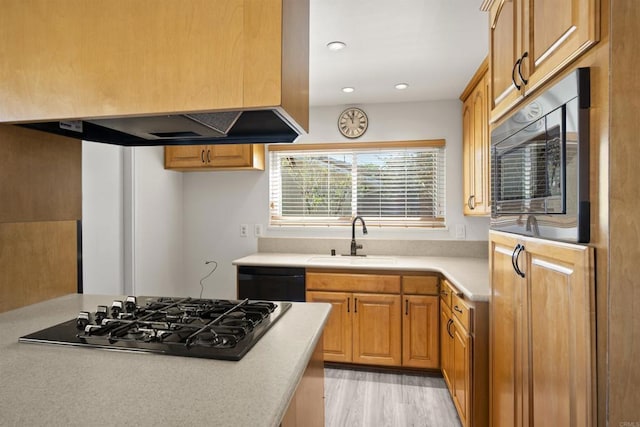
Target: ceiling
<point>435,46</point>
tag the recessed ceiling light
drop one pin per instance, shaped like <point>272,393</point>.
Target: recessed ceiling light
<point>347,89</point>
<point>402,86</point>
<point>336,45</point>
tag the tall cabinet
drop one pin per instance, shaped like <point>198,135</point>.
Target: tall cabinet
<point>475,143</point>
<point>542,332</point>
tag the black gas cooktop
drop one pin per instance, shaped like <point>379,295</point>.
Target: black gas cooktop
<point>193,327</point>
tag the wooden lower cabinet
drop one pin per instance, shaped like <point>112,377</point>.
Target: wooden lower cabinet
<point>420,332</point>
<point>376,329</point>
<point>464,358</point>
<point>446,345</point>
<point>542,333</point>
<point>337,341</point>
<point>461,381</point>
<point>362,328</point>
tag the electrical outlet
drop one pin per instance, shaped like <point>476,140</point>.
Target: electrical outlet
<point>257,230</point>
<point>460,231</point>
<point>244,230</point>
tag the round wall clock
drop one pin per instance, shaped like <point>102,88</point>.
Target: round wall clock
<point>352,122</point>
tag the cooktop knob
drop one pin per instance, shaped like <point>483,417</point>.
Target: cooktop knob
<point>130,304</point>
<point>116,308</point>
<point>83,320</point>
<point>101,314</point>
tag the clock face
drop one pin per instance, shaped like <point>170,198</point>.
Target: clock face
<point>352,123</point>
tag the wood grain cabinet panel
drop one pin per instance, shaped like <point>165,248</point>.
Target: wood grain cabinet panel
<point>542,332</point>
<point>194,55</point>
<point>376,329</point>
<point>38,261</point>
<point>420,328</point>
<point>475,144</point>
<point>214,157</point>
<point>337,337</point>
<point>464,354</point>
<point>530,42</point>
<point>461,367</point>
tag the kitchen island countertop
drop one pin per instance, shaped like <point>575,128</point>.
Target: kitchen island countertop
<point>469,275</point>
<point>59,385</point>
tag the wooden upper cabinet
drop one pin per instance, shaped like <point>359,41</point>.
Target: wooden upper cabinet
<point>533,40</point>
<point>214,157</point>
<point>75,59</point>
<point>556,34</point>
<point>475,144</point>
<point>504,51</point>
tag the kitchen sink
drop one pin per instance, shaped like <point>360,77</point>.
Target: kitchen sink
<point>352,260</point>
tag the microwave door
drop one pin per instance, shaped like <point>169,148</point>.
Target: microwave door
<point>528,169</point>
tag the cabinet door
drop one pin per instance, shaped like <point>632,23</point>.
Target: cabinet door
<point>506,335</point>
<point>461,380</point>
<point>229,155</point>
<point>475,120</point>
<point>557,32</point>
<point>337,332</point>
<point>562,333</point>
<point>420,332</point>
<point>376,329</point>
<point>185,157</point>
<point>468,163</point>
<point>446,346</point>
<point>504,51</point>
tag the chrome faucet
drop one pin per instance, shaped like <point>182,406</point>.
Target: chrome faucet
<point>532,225</point>
<point>354,246</point>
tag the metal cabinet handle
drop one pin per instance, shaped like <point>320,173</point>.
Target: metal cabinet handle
<point>449,323</point>
<point>202,156</point>
<point>208,156</point>
<point>348,304</point>
<point>406,307</point>
<point>514,259</point>
<point>445,293</point>
<point>355,305</point>
<point>470,205</point>
<point>456,308</point>
<point>513,74</point>
<point>522,79</point>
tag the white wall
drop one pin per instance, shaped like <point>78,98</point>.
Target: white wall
<point>178,221</point>
<point>132,217</point>
<point>216,203</point>
<point>102,218</point>
<point>158,220</point>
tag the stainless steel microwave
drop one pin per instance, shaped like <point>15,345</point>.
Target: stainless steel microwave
<point>540,164</point>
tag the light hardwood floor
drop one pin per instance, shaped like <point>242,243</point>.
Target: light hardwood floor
<point>378,399</point>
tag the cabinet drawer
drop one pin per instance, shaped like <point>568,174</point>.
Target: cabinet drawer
<point>446,291</point>
<point>461,311</point>
<point>421,285</point>
<point>379,283</point>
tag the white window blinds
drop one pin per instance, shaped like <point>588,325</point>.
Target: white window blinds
<point>387,183</point>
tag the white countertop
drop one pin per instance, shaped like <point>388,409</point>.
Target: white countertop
<point>57,385</point>
<point>469,275</point>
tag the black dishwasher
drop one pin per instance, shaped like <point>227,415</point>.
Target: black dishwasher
<point>271,283</point>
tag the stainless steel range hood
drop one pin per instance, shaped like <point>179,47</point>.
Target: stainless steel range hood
<point>229,127</point>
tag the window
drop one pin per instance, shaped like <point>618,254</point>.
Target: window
<point>389,184</point>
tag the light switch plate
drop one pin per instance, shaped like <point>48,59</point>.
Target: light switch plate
<point>257,230</point>
<point>460,231</point>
